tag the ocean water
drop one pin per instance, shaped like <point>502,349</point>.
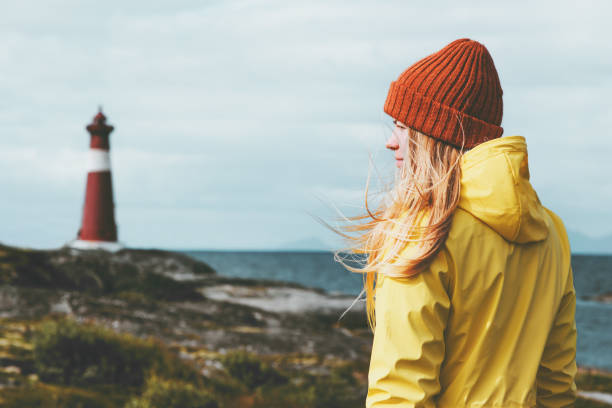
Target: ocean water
<point>592,277</point>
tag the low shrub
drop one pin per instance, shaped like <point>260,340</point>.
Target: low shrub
<point>69,353</point>
<point>250,370</point>
<point>46,396</point>
<point>312,392</point>
<point>160,393</point>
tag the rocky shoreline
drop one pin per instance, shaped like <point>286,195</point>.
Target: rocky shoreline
<point>185,304</point>
<point>196,313</point>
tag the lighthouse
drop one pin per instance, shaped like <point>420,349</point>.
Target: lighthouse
<point>98,228</point>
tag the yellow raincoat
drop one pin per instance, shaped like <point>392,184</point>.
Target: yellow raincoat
<point>490,322</point>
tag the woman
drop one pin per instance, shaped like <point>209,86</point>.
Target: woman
<point>468,278</point>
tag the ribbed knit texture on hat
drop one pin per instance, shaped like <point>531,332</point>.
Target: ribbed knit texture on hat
<point>452,92</point>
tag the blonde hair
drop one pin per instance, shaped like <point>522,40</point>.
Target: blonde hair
<point>417,212</point>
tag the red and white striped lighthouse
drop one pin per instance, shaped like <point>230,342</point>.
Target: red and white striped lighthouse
<point>98,229</point>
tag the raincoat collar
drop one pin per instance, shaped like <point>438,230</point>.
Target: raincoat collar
<point>495,188</point>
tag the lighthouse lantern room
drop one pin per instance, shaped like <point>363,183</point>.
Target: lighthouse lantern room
<point>98,228</point>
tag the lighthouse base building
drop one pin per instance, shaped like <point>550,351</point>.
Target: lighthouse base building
<point>89,245</point>
<point>98,228</point>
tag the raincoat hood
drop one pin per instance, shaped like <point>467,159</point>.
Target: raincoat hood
<point>495,188</point>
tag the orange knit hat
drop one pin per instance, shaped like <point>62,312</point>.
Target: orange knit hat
<point>451,92</point>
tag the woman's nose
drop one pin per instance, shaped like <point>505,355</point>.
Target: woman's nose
<point>392,143</point>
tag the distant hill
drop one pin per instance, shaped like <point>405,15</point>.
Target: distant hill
<point>583,244</point>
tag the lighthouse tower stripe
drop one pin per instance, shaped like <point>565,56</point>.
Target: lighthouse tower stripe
<point>99,160</point>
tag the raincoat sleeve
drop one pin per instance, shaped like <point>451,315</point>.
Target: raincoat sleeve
<point>557,370</point>
<point>408,349</point>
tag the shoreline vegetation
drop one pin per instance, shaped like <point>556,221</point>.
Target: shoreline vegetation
<point>152,328</point>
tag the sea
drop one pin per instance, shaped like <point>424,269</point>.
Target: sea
<point>592,278</point>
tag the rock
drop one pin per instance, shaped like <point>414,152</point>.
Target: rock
<point>11,370</point>
<point>596,396</point>
<point>604,298</point>
<point>62,306</point>
<point>280,299</point>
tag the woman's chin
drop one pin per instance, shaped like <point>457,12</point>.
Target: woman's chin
<point>399,163</point>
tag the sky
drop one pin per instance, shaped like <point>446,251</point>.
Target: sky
<point>235,121</point>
